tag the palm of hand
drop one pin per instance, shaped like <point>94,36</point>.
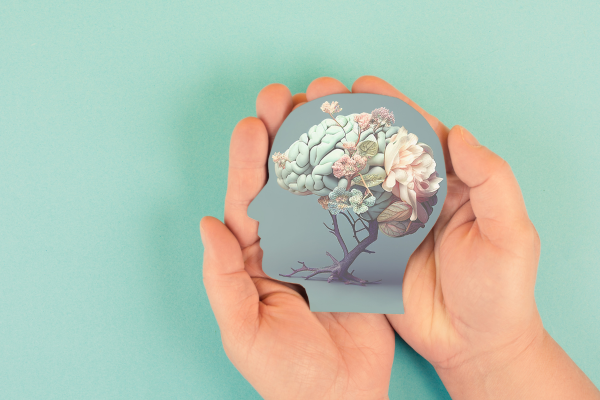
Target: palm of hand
<point>338,354</point>
<point>268,331</point>
<point>468,289</point>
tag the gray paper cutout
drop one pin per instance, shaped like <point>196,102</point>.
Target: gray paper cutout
<point>292,228</point>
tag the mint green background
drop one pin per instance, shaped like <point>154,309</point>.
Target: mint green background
<point>115,120</point>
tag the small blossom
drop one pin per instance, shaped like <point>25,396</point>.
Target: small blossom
<point>280,159</point>
<point>363,120</point>
<point>324,201</point>
<point>382,116</point>
<point>351,147</point>
<point>359,204</point>
<point>349,166</point>
<point>338,200</point>
<point>331,108</point>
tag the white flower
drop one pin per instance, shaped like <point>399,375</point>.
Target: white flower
<point>331,108</point>
<point>410,170</point>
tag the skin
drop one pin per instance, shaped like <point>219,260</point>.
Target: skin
<point>468,289</point>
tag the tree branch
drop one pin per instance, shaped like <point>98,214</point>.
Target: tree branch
<point>352,223</point>
<point>338,235</point>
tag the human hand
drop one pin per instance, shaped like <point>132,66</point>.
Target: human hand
<point>468,289</point>
<point>268,331</point>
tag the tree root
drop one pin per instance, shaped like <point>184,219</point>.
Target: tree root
<point>336,271</point>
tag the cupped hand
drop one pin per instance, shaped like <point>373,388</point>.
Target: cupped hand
<point>469,287</point>
<point>268,331</point>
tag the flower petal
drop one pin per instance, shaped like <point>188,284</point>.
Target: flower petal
<point>389,182</point>
<point>410,197</point>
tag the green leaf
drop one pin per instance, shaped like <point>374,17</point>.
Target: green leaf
<point>397,211</point>
<point>393,228</point>
<point>368,148</point>
<point>370,179</point>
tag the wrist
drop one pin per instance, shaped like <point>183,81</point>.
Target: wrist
<point>501,372</point>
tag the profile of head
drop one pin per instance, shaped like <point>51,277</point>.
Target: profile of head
<point>362,168</point>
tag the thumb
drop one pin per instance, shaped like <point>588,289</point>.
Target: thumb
<point>494,193</point>
<point>231,292</point>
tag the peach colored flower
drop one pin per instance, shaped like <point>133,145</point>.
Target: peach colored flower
<point>363,120</point>
<point>331,108</point>
<point>351,147</point>
<point>324,202</point>
<point>280,159</point>
<point>410,170</point>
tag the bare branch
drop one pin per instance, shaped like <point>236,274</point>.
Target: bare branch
<point>338,235</point>
<point>352,223</point>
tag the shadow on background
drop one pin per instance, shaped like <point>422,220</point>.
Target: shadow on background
<point>210,109</point>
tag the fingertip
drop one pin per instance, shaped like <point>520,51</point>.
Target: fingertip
<point>462,143</point>
<point>367,82</point>
<point>468,137</point>
<point>249,124</point>
<point>249,143</point>
<point>218,239</point>
<point>273,104</point>
<point>208,225</point>
<point>471,161</point>
<point>275,89</point>
<point>325,86</point>
<point>299,98</point>
<point>206,222</point>
<point>494,193</point>
<point>455,136</point>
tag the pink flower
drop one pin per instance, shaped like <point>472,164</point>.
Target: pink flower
<point>351,147</point>
<point>331,108</point>
<point>348,166</point>
<point>410,170</point>
<point>427,187</point>
<point>382,116</point>
<point>363,120</point>
<point>280,159</point>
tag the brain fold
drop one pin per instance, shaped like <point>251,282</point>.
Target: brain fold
<point>310,159</point>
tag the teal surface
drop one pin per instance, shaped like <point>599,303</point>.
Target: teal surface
<point>115,120</point>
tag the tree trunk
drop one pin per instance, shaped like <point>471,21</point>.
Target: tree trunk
<point>339,269</point>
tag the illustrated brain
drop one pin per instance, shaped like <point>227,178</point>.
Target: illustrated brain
<point>383,184</point>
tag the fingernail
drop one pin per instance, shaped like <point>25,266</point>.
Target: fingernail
<point>469,138</point>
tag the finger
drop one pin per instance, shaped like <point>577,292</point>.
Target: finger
<point>372,84</point>
<point>253,256</point>
<point>273,104</point>
<point>299,98</point>
<point>277,293</point>
<point>247,175</point>
<point>494,192</point>
<point>420,289</point>
<point>324,87</point>
<point>231,292</point>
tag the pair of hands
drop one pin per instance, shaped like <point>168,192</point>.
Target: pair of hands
<point>468,289</point>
